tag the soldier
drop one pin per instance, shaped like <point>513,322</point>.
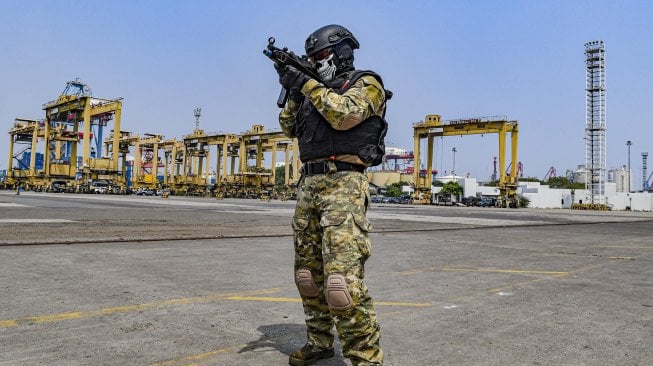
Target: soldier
<point>339,124</point>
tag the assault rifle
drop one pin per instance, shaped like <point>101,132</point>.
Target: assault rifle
<point>283,58</point>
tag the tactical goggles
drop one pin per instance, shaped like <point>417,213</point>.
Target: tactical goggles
<point>320,55</point>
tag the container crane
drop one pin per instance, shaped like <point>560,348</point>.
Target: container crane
<point>551,173</point>
<point>519,171</point>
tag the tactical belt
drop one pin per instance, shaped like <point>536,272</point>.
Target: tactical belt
<point>322,167</point>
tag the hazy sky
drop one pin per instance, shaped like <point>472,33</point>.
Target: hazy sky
<point>459,59</point>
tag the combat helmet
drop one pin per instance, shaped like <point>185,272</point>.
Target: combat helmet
<point>336,40</point>
<point>329,36</point>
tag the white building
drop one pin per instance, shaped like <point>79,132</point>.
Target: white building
<point>579,175</point>
<point>621,177</point>
<point>542,196</point>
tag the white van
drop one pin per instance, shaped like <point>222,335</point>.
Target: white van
<point>99,186</point>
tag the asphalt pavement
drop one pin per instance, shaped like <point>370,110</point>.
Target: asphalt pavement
<point>115,280</point>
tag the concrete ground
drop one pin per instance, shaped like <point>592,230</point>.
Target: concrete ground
<point>112,280</point>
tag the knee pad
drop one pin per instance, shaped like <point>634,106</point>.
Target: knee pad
<point>337,294</point>
<point>305,283</point>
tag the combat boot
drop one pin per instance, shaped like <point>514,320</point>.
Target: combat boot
<point>309,355</point>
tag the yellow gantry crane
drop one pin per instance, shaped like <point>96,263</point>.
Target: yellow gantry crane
<point>433,127</point>
<point>187,164</point>
<point>77,121</point>
<point>146,161</point>
<point>125,141</point>
<point>234,176</point>
<point>75,116</point>
<point>24,132</point>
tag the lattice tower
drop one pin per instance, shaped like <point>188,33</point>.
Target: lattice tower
<point>645,186</point>
<point>595,124</point>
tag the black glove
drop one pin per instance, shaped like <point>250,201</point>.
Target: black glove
<point>291,78</point>
<point>295,95</point>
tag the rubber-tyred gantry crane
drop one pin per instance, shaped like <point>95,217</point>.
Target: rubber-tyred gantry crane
<point>432,127</point>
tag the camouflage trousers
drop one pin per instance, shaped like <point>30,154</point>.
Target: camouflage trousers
<point>331,247</point>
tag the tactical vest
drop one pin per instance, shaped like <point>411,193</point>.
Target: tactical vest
<point>318,140</point>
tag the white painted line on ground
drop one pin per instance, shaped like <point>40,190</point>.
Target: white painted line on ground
<point>451,219</point>
<point>254,210</point>
<point>141,199</point>
<point>396,217</point>
<point>264,211</point>
<point>35,221</point>
<point>12,205</point>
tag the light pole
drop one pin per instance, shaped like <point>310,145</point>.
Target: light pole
<point>453,170</point>
<point>629,143</point>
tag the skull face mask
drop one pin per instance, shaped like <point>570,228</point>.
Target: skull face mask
<point>326,68</point>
